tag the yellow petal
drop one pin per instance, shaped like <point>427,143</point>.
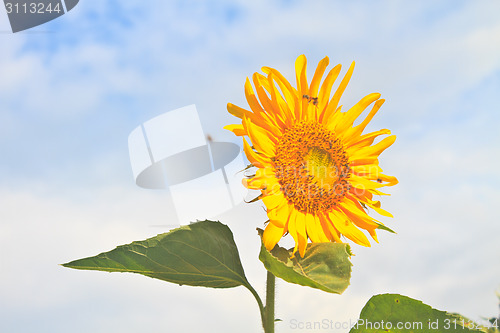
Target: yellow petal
<point>285,116</point>
<point>263,141</point>
<point>272,235</point>
<point>364,184</point>
<point>357,130</point>
<point>373,151</point>
<point>279,215</point>
<point>302,89</point>
<point>357,215</point>
<point>252,99</point>
<point>330,231</point>
<point>300,224</point>
<point>366,199</point>
<point>311,228</point>
<point>258,160</point>
<point>347,228</point>
<point>264,178</point>
<point>364,170</point>
<point>237,129</point>
<point>237,111</point>
<point>353,113</point>
<point>363,141</point>
<point>274,112</point>
<point>265,116</point>
<point>274,200</point>
<point>381,211</point>
<point>314,229</point>
<point>278,209</point>
<point>334,102</point>
<point>286,88</point>
<point>292,228</point>
<point>322,234</point>
<point>318,74</point>
<point>363,161</point>
<point>261,119</point>
<point>325,90</point>
<point>300,72</point>
<point>258,81</point>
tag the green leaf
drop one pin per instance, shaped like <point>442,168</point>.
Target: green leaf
<point>325,266</point>
<point>199,254</point>
<point>397,313</point>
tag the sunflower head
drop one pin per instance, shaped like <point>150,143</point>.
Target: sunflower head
<point>316,171</point>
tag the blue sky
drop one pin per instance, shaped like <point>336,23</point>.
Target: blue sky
<point>73,89</point>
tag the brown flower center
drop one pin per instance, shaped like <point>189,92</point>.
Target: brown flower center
<point>312,167</point>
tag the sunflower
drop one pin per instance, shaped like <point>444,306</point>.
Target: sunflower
<point>316,171</point>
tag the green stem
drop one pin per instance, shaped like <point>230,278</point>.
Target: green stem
<point>270,295</point>
<point>259,302</point>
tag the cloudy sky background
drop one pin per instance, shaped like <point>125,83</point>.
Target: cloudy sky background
<point>73,89</point>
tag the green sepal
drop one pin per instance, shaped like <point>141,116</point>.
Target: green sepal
<point>383,227</point>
